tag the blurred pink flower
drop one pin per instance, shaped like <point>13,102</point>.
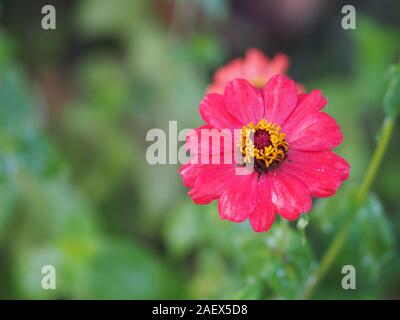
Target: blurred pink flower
<point>255,67</point>
<point>285,137</point>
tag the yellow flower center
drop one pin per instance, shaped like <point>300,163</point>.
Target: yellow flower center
<point>258,82</point>
<point>264,144</point>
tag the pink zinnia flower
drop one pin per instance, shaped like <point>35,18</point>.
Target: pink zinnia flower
<point>286,138</point>
<point>255,67</point>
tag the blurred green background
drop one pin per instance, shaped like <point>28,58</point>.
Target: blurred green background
<point>76,191</point>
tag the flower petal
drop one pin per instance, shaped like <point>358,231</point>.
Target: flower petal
<point>244,101</point>
<point>230,71</point>
<point>240,199</point>
<point>290,196</point>
<point>280,99</point>
<point>264,214</point>
<point>208,145</point>
<point>257,66</point>
<point>214,112</point>
<point>307,104</point>
<point>254,63</point>
<point>211,182</point>
<point>189,173</point>
<point>322,172</point>
<point>318,131</point>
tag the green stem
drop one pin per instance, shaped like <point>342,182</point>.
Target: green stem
<point>338,242</point>
<point>387,130</point>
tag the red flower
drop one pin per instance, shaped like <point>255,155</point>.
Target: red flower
<point>286,139</point>
<point>255,67</point>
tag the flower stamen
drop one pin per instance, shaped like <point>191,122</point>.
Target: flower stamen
<point>264,144</point>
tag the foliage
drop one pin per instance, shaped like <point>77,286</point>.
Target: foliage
<point>76,190</point>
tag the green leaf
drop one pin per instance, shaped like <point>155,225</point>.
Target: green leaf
<point>279,259</point>
<point>105,84</point>
<point>374,235</point>
<point>369,246</point>
<point>391,100</point>
<point>182,232</point>
<point>124,270</point>
<point>212,277</point>
<point>252,290</point>
<point>22,143</point>
<point>99,17</point>
<point>6,52</point>
<point>7,202</point>
<point>329,214</point>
